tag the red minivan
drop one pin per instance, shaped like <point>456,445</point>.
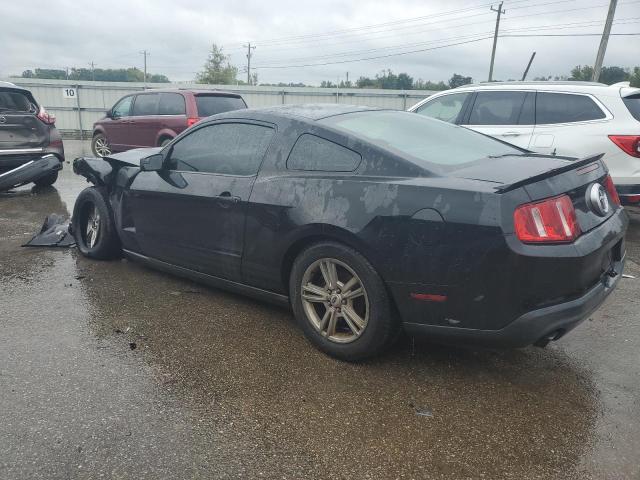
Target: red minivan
<point>155,117</point>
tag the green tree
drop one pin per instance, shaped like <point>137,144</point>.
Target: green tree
<point>217,69</point>
<point>459,80</point>
<point>634,77</point>
<point>582,73</point>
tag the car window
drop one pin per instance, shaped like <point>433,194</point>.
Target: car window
<point>229,148</point>
<point>171,104</point>
<point>16,101</point>
<point>633,104</point>
<point>315,153</point>
<point>146,104</point>
<point>213,104</point>
<point>123,107</point>
<point>565,108</point>
<point>446,108</point>
<point>429,143</point>
<point>497,108</point>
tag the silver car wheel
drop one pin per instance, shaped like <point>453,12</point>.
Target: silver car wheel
<point>93,227</point>
<point>102,147</point>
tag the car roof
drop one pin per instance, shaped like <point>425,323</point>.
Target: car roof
<point>312,111</point>
<point>195,91</point>
<point>12,86</point>
<point>556,86</point>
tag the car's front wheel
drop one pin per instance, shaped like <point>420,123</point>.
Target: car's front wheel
<point>341,302</point>
<point>93,226</point>
<point>100,145</point>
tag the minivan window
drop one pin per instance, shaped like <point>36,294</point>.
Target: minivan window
<point>122,108</point>
<point>497,108</point>
<point>226,148</point>
<point>315,153</point>
<point>213,104</point>
<point>431,144</point>
<point>446,108</point>
<point>171,104</point>
<point>566,108</point>
<point>633,104</point>
<point>15,101</point>
<point>146,104</point>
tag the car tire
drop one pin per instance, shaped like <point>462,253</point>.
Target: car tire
<point>93,226</point>
<point>100,145</point>
<point>47,180</point>
<point>326,317</point>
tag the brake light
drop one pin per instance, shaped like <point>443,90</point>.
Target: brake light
<point>192,121</point>
<point>630,144</point>
<point>46,117</point>
<point>550,221</point>
<point>611,190</point>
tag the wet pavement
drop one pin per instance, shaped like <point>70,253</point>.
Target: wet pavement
<point>111,370</point>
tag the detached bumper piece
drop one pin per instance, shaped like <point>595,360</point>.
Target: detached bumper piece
<point>54,233</point>
<point>29,172</point>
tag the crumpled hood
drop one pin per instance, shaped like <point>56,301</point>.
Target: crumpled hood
<point>133,157</point>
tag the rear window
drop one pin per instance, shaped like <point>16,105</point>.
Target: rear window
<point>16,101</point>
<point>633,104</point>
<point>317,154</point>
<point>431,144</point>
<point>213,104</point>
<point>566,108</point>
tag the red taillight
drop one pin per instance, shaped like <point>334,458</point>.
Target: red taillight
<point>611,190</point>
<point>46,117</point>
<point>630,144</point>
<point>192,121</point>
<point>550,221</point>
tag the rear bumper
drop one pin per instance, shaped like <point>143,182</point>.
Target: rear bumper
<point>555,320</point>
<point>30,171</point>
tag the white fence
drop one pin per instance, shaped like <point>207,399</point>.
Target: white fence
<point>77,105</point>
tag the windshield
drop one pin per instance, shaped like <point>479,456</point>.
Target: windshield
<point>430,143</point>
<point>213,104</point>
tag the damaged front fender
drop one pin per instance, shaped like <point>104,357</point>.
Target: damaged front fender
<point>31,171</point>
<point>96,170</point>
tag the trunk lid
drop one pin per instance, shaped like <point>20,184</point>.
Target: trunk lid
<point>20,126</point>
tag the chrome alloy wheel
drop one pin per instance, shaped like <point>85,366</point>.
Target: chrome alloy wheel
<point>334,300</point>
<point>102,147</point>
<point>93,227</point>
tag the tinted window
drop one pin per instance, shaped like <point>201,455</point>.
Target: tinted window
<point>146,104</point>
<point>434,145</point>
<point>123,107</point>
<point>171,104</point>
<point>564,108</point>
<point>231,148</point>
<point>497,108</point>
<point>15,101</point>
<point>212,104</point>
<point>633,104</point>
<point>445,108</point>
<point>315,153</point>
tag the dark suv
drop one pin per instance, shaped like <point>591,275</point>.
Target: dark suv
<point>30,145</point>
<point>154,118</point>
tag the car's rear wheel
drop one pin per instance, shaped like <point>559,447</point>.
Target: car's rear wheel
<point>341,302</point>
<point>47,180</point>
<point>100,145</point>
<point>93,227</point>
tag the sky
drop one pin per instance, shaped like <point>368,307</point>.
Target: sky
<point>436,38</point>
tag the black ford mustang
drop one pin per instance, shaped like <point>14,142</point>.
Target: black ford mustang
<point>366,222</point>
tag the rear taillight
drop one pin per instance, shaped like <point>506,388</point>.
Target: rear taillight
<point>46,117</point>
<point>192,121</point>
<point>630,144</point>
<point>611,190</point>
<point>550,221</point>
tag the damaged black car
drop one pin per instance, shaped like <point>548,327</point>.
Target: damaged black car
<point>31,149</point>
<point>366,222</point>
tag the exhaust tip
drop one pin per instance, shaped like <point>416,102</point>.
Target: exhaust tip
<point>550,337</point>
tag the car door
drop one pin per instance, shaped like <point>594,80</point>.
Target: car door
<point>116,128</point>
<point>506,115</point>
<point>145,121</point>
<point>567,124</point>
<point>192,212</point>
<point>448,108</point>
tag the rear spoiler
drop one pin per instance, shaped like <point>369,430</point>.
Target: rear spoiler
<point>573,165</point>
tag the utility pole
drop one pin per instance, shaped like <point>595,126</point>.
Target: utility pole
<point>93,73</point>
<point>526,70</point>
<point>249,55</point>
<point>67,70</point>
<point>145,54</point>
<point>604,40</point>
<point>500,11</point>
<point>347,84</point>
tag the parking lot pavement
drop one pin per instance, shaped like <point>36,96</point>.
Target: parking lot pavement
<point>111,370</point>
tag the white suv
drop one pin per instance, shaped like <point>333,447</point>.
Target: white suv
<point>574,119</point>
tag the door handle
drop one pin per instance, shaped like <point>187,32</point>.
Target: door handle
<point>227,197</point>
<point>510,134</point>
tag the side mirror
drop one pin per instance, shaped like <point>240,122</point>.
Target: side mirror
<point>109,114</point>
<point>152,163</point>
